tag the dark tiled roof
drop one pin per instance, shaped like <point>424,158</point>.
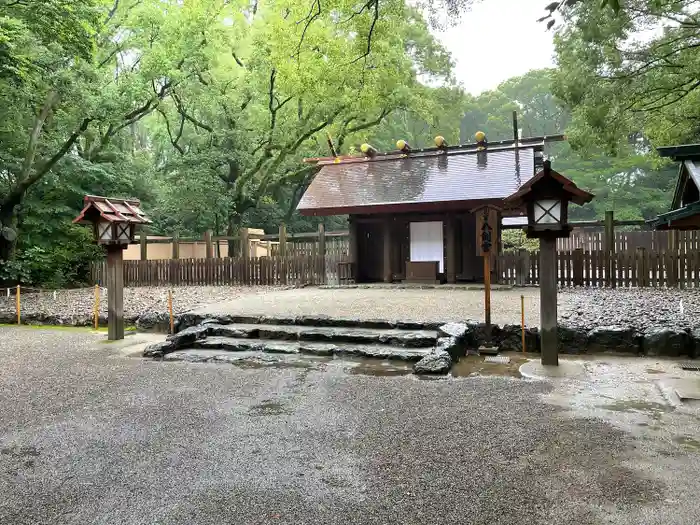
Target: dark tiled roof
<point>380,185</point>
<point>112,210</point>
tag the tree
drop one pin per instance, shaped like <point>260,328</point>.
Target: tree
<point>275,82</point>
<point>89,76</point>
<point>632,73</point>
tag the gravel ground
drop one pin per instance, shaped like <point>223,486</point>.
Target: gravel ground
<point>393,305</point>
<point>88,435</point>
<point>639,308</point>
<point>80,303</point>
<point>585,307</point>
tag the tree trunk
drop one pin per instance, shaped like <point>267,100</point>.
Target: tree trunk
<point>8,218</point>
<point>233,225</point>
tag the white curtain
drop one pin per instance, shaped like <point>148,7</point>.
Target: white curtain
<point>427,242</point>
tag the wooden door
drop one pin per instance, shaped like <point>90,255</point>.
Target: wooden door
<point>370,244</point>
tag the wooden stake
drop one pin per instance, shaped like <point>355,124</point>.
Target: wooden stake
<point>170,311</point>
<point>487,290</point>
<point>548,301</point>
<point>97,307</point>
<point>522,320</point>
<point>18,304</point>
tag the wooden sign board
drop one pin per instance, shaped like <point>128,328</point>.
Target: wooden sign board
<point>493,222</point>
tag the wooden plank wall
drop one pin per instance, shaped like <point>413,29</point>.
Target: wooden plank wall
<point>630,268</point>
<point>303,265</point>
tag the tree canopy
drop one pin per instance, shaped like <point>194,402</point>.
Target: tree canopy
<point>204,110</point>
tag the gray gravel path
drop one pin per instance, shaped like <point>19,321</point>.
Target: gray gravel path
<point>393,305</point>
<point>639,308</point>
<point>90,436</point>
<point>79,304</point>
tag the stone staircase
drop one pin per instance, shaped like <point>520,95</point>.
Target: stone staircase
<point>269,340</point>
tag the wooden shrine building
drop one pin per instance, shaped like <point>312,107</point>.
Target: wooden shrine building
<point>685,207</point>
<point>416,215</point>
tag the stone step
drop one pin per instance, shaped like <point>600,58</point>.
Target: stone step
<point>215,345</point>
<point>364,336</point>
<point>188,319</point>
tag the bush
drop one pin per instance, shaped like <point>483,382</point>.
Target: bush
<point>53,266</point>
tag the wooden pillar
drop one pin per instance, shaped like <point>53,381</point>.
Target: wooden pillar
<point>548,301</point>
<point>174,263</point>
<point>387,238</point>
<point>282,259</point>
<point>143,241</point>
<point>672,258</point>
<point>522,268</point>
<point>322,253</point>
<point>352,248</point>
<point>610,249</point>
<point>244,248</point>
<point>450,250</point>
<point>578,266</point>
<point>209,247</point>
<point>115,293</point>
<point>487,293</point>
<point>176,246</point>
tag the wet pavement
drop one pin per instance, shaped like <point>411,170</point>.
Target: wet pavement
<point>91,434</point>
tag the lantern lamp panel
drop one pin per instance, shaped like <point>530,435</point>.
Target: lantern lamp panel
<point>104,231</point>
<point>547,211</point>
<point>123,233</point>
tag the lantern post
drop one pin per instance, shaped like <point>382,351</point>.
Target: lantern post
<point>546,198</point>
<point>114,224</point>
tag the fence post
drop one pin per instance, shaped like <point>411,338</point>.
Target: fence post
<point>578,266</point>
<point>283,254</point>
<point>209,247</point>
<point>521,268</point>
<point>609,249</point>
<point>672,258</point>
<point>641,277</point>
<point>322,253</point>
<point>174,263</point>
<point>143,240</point>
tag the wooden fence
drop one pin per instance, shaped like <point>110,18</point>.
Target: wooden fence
<point>638,268</point>
<point>588,258</point>
<point>276,270</point>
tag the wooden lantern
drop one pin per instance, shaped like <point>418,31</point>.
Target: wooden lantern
<point>546,198</point>
<point>114,223</point>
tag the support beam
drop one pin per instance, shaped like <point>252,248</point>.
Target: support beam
<point>322,252</point>
<point>282,259</point>
<point>387,239</point>
<point>450,250</point>
<point>548,301</point>
<point>143,241</point>
<point>115,293</point>
<point>610,249</point>
<point>208,245</point>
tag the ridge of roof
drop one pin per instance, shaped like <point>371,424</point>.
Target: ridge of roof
<point>510,144</point>
<point>418,154</point>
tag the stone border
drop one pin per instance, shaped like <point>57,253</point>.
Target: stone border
<point>661,341</point>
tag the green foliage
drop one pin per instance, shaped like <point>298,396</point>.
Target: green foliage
<point>628,72</point>
<point>515,240</point>
<point>204,110</point>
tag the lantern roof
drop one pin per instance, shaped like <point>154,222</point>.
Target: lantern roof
<point>528,191</point>
<point>124,211</point>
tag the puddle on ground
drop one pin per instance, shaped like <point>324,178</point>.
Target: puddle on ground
<point>635,405</point>
<point>378,367</point>
<point>268,408</point>
<point>654,371</point>
<point>687,441</point>
<point>474,366</point>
